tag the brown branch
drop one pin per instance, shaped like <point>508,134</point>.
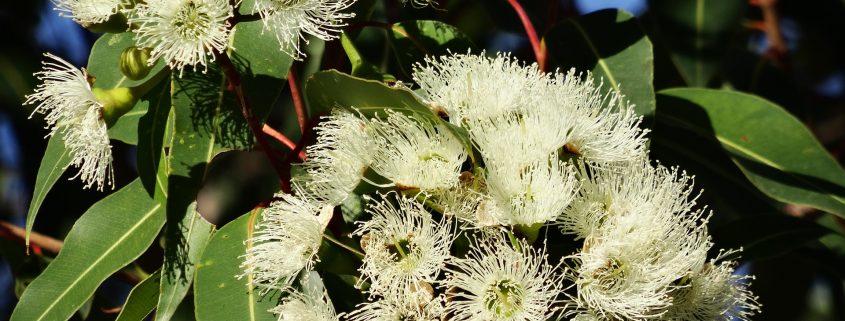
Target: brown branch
<point>270,131</point>
<point>234,79</point>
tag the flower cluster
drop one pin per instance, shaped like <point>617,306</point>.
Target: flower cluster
<point>465,238</point>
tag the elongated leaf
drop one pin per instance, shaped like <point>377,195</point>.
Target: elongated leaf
<point>126,127</point>
<point>774,150</point>
<point>151,132</point>
<point>612,45</point>
<point>414,40</point>
<point>53,164</point>
<point>360,67</point>
<point>178,271</point>
<point>259,51</point>
<point>697,33</point>
<point>218,293</point>
<point>142,299</point>
<point>104,61</point>
<point>108,236</point>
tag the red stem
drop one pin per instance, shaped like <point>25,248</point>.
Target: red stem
<point>297,99</point>
<point>234,79</point>
<point>539,49</point>
<point>282,139</point>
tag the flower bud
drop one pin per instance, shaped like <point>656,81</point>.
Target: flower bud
<point>115,102</point>
<point>133,62</point>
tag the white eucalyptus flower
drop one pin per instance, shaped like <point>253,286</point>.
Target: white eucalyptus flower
<point>337,162</point>
<point>637,191</point>
<point>605,128</point>
<point>291,20</point>
<point>312,303</point>
<point>182,32</point>
<point>530,194</point>
<point>404,246</point>
<point>467,86</point>
<point>87,12</point>
<point>498,282</point>
<point>71,109</point>
<point>286,241</point>
<point>399,308</point>
<point>629,269</point>
<point>714,293</point>
<point>416,153</point>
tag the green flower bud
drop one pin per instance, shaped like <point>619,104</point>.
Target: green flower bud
<point>133,62</point>
<point>116,102</point>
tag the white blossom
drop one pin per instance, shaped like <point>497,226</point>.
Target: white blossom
<point>291,20</point>
<point>629,269</point>
<point>407,307</point>
<point>286,240</point>
<point>86,12</point>
<point>404,246</point>
<point>499,282</point>
<point>530,194</point>
<point>714,292</point>
<point>311,303</point>
<point>636,191</point>
<point>605,125</point>
<point>182,32</point>
<point>416,153</point>
<point>71,109</point>
<point>337,162</point>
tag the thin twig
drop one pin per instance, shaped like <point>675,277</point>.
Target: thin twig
<point>298,104</point>
<point>234,79</point>
<point>282,139</point>
<point>16,233</point>
<point>539,49</point>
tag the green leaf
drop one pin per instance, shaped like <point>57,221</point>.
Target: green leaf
<point>178,270</point>
<point>360,67</point>
<point>328,89</point>
<point>112,233</point>
<point>414,40</point>
<point>611,44</point>
<point>126,127</point>
<point>104,61</point>
<point>774,150</point>
<point>151,131</point>
<point>218,293</point>
<point>142,299</point>
<point>766,236</point>
<point>54,163</point>
<point>697,33</point>
<point>258,51</point>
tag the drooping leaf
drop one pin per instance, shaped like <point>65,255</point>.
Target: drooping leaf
<point>697,33</point>
<point>218,292</point>
<point>414,40</point>
<point>126,127</point>
<point>360,67</point>
<point>611,44</point>
<point>178,271</point>
<point>774,150</point>
<point>142,299</point>
<point>104,60</point>
<point>112,233</point>
<point>56,159</point>
<point>152,127</point>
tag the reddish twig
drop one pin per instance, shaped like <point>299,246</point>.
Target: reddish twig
<point>282,139</point>
<point>36,240</point>
<point>539,49</point>
<point>234,79</point>
<point>298,104</point>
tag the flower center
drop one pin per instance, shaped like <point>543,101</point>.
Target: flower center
<point>503,298</point>
<point>191,20</point>
<point>400,249</point>
<point>610,274</point>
